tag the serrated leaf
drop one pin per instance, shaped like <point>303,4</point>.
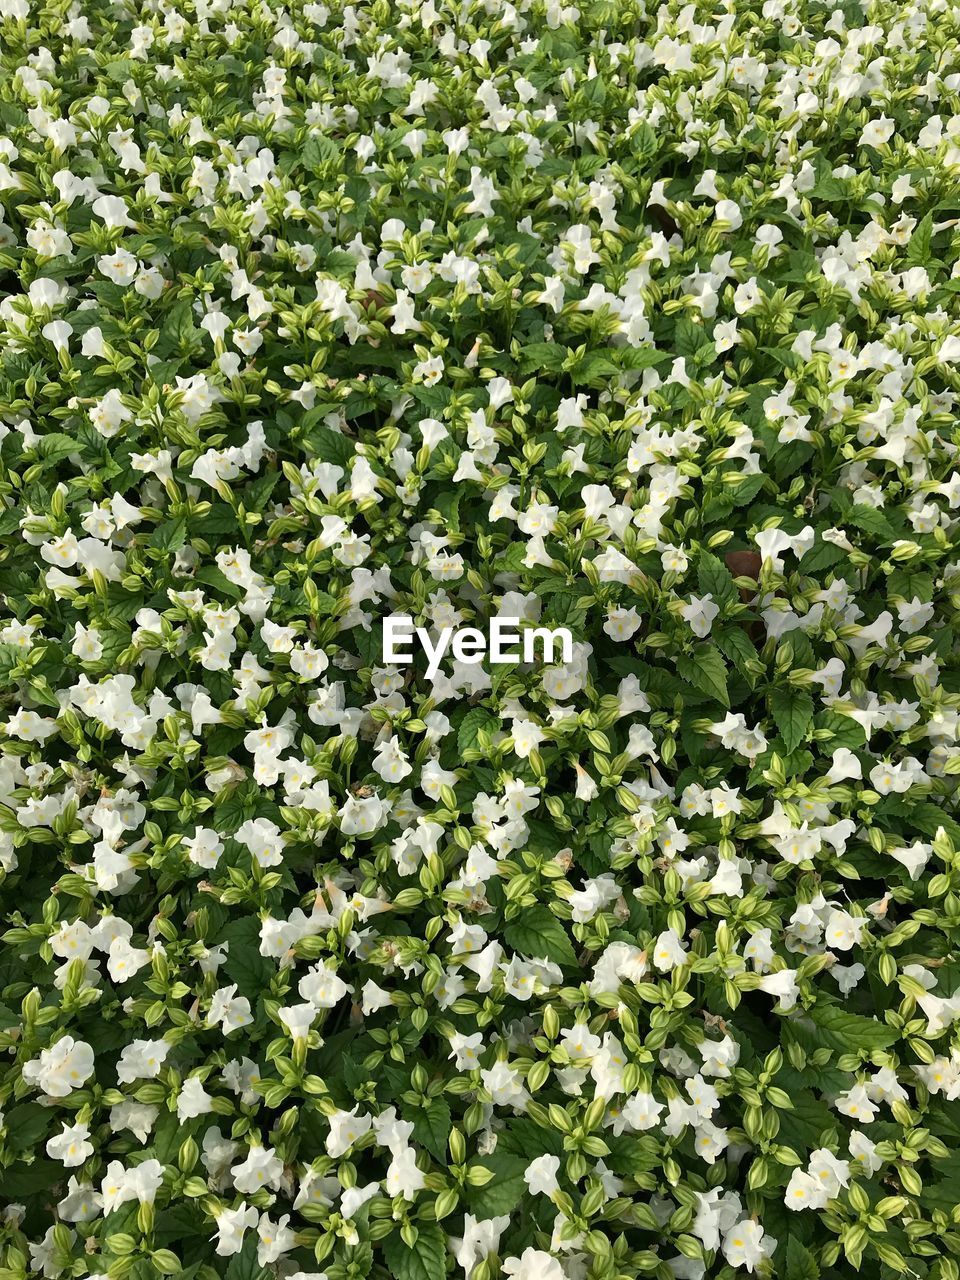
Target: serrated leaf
<point>319,151</point>
<point>431,1127</point>
<point>245,965</point>
<point>792,711</point>
<point>548,356</point>
<point>368,645</point>
<point>505,1190</point>
<point>801,1264</point>
<point>707,671</point>
<point>55,446</point>
<point>476,719</point>
<point>171,535</point>
<point>845,1032</point>
<point>714,579</point>
<point>924,817</point>
<point>871,521</point>
<point>593,370</point>
<point>425,1261</point>
<point>846,731</point>
<point>539,935</point>
<point>690,338</point>
<point>918,250</point>
<point>329,445</point>
<point>244,1265</point>
<point>178,331</point>
<point>734,644</point>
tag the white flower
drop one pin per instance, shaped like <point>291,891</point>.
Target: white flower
<point>262,838</point>
<point>193,1100</point>
<point>261,1168</point>
<point>744,1244</point>
<point>120,266</point>
<point>139,1182</point>
<point>72,1146</point>
<point>699,613</point>
<point>323,987</point>
<point>66,1066</point>
<point>804,1192</point>
<point>346,1128</point>
<point>229,1010</point>
<point>276,1239</point>
<point>231,1226</point>
<point>298,1019</point>
<point>110,413</point>
<point>404,1178</point>
<point>541,1175</point>
<point>141,1060</point>
<point>876,132</point>
<point>204,847</point>
<point>533,1264</point>
<point>668,951</point>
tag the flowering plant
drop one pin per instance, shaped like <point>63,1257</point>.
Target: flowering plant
<point>628,320</point>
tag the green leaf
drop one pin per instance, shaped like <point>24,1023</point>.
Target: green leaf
<point>27,1124</point>
<point>643,140</point>
<point>706,671</point>
<point>55,446</point>
<point>476,719</point>
<point>506,1188</point>
<point>918,250</point>
<point>925,817</point>
<point>257,493</point>
<point>35,1177</point>
<point>690,338</point>
<point>538,934</point>
<point>911,584</point>
<point>714,579</point>
<point>640,357</point>
<point>318,151</point>
<point>250,970</point>
<point>368,645</point>
<point>846,731</point>
<point>329,445</point>
<point>845,1032</point>
<point>542,356</point>
<point>594,370</point>
<point>171,535</point>
<point>425,1261</point>
<point>244,1265</point>
<point>178,332</point>
<point>801,1264</point>
<point>871,521</point>
<point>736,645</point>
<point>431,1127</point>
<point>792,711</point>
<point>565,609</point>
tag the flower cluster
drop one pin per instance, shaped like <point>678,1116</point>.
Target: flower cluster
<point>629,319</point>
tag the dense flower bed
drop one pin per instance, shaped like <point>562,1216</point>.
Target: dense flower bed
<point>639,321</point>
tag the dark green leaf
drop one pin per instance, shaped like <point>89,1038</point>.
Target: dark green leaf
<point>801,1264</point>
<point>713,578</point>
<point>707,671</point>
<point>431,1127</point>
<point>538,934</point>
<point>476,720</point>
<point>847,1032</point>
<point>425,1261</point>
<point>505,1190</point>
<point>244,1265</point>
<point>792,711</point>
